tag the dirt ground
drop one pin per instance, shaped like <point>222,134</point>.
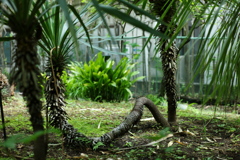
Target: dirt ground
<point>194,138</point>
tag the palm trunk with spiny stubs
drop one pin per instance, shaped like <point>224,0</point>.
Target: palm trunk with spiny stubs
<point>55,102</point>
<point>28,77</point>
<point>168,55</point>
<point>55,99</point>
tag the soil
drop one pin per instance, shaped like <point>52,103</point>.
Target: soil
<point>193,138</point>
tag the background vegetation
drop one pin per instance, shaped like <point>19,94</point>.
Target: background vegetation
<point>101,80</point>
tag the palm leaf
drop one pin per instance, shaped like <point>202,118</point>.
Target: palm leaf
<point>123,16</point>
<point>82,23</point>
<point>56,41</point>
<point>218,53</point>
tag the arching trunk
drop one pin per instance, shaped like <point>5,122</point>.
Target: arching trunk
<point>73,138</point>
<point>132,119</point>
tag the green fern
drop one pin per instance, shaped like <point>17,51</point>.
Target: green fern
<point>99,81</point>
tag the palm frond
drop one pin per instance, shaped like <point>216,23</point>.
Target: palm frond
<point>220,51</point>
<point>56,40</point>
<point>125,17</point>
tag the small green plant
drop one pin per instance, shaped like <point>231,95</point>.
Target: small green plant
<point>155,99</point>
<point>97,145</point>
<point>99,81</point>
<point>161,134</point>
<point>128,144</point>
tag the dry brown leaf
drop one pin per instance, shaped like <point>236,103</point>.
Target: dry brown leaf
<point>20,146</point>
<point>82,156</point>
<point>202,147</point>
<point>170,143</point>
<point>99,124</point>
<point>147,119</point>
<point>181,143</point>
<point>191,133</point>
<point>209,140</point>
<point>104,153</point>
<point>217,138</point>
<point>180,129</point>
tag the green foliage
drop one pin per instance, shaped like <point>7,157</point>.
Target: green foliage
<point>100,81</point>
<point>56,40</point>
<point>20,138</point>
<point>161,134</point>
<point>99,144</point>
<point>156,100</point>
<point>12,141</point>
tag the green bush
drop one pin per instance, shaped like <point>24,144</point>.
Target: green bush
<point>99,81</point>
<point>156,99</point>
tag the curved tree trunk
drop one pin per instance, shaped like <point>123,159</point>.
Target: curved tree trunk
<point>73,138</point>
<point>132,119</point>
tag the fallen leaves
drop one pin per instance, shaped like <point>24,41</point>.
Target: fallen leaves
<point>81,156</point>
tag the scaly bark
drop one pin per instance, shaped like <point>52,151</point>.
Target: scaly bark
<point>54,92</point>
<point>27,74</point>
<point>168,54</point>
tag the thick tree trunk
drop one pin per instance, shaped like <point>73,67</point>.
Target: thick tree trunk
<point>54,93</point>
<point>169,58</point>
<point>28,76</point>
<point>168,54</point>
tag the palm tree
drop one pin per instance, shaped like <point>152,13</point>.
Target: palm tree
<point>57,43</point>
<point>168,53</point>
<point>21,17</point>
<point>174,18</point>
<point>218,47</point>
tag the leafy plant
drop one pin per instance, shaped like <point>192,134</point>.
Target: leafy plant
<point>161,134</point>
<point>12,141</point>
<point>156,100</point>
<point>99,80</point>
<point>99,144</point>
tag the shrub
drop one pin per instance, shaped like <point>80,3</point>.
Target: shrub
<point>99,80</point>
<point>156,100</point>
